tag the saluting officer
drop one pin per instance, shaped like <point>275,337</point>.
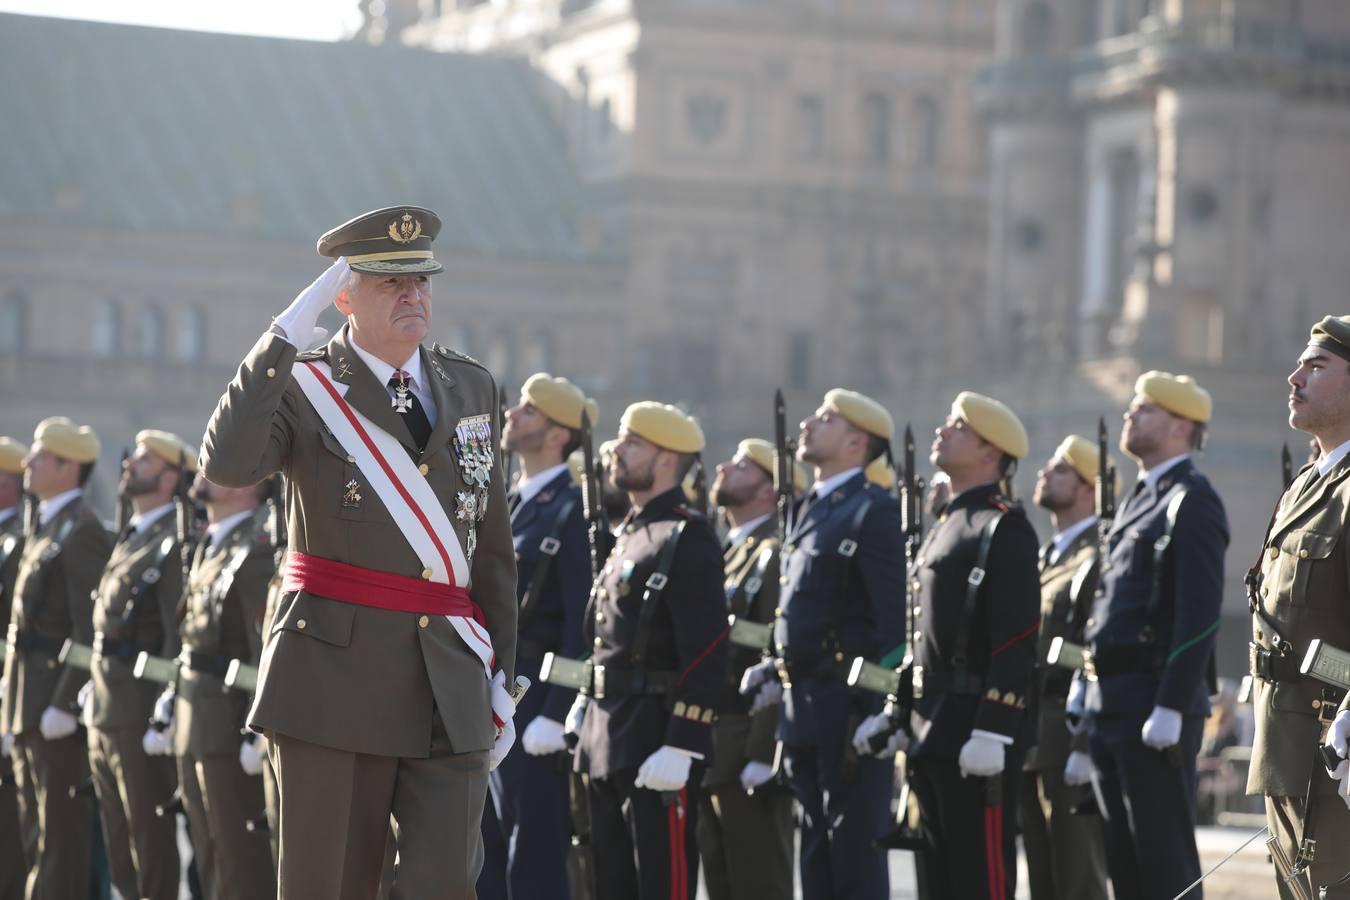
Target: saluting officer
<point>1151,637</point>
<point>382,688</point>
<point>975,618</point>
<point>1299,594</point>
<point>1065,854</point>
<point>58,572</point>
<point>843,571</point>
<point>526,826</point>
<point>135,610</point>
<point>658,635</point>
<point>746,839</point>
<point>13,866</point>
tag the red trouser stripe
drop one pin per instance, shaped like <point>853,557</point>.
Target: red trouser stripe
<point>989,853</point>
<point>672,829</point>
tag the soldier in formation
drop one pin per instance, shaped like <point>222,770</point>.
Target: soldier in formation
<point>15,842</point>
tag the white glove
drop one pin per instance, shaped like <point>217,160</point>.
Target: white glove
<point>665,770</point>
<point>157,743</point>
<point>57,723</point>
<point>82,700</point>
<point>164,707</point>
<point>1078,770</point>
<point>1342,774</point>
<point>6,744</point>
<point>769,694</point>
<point>982,756</point>
<point>1075,706</point>
<point>1163,728</point>
<point>543,736</point>
<point>756,675</point>
<point>880,723</point>
<point>505,741</point>
<point>576,715</point>
<point>754,774</point>
<point>300,319</point>
<point>1338,735</point>
<point>250,757</point>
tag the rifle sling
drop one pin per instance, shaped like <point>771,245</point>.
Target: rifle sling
<point>651,595</point>
<point>961,677</point>
<point>848,549</point>
<point>549,547</point>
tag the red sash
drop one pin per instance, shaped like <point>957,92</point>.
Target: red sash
<point>382,590</point>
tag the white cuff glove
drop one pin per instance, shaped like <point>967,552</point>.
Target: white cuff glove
<point>982,756</point>
<point>82,700</point>
<point>576,715</point>
<point>754,774</point>
<point>300,319</point>
<point>770,693</point>
<point>665,770</point>
<point>250,757</point>
<point>1078,770</point>
<point>1075,706</point>
<point>157,743</point>
<point>164,707</point>
<point>1338,735</point>
<point>6,745</point>
<point>543,736</point>
<point>57,723</point>
<point>880,723</point>
<point>505,741</point>
<point>1163,728</point>
<point>756,675</point>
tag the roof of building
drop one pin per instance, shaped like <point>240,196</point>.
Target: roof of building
<point>158,130</point>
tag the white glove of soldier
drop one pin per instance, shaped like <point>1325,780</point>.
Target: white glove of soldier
<point>754,774</point>
<point>665,770</point>
<point>1075,706</point>
<point>505,741</point>
<point>1078,769</point>
<point>504,708</point>
<point>82,700</point>
<point>756,675</point>
<point>543,736</point>
<point>250,757</point>
<point>770,693</point>
<point>1163,728</point>
<point>156,742</point>
<point>300,319</point>
<point>576,715</point>
<point>164,707</point>
<point>57,723</point>
<point>880,723</point>
<point>981,755</point>
<point>1338,735</point>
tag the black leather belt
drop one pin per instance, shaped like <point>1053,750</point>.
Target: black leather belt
<point>1124,659</point>
<point>123,648</point>
<point>209,663</point>
<point>26,639</point>
<point>608,681</point>
<point>1268,665</point>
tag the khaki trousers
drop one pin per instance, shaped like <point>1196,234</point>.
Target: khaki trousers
<point>45,772</point>
<point>1066,857</point>
<point>746,842</point>
<point>240,861</point>
<point>13,847</point>
<point>1331,823</point>
<point>142,848</point>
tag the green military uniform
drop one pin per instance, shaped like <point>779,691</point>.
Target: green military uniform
<point>746,839</point>
<point>134,611</point>
<point>271,797</point>
<point>58,571</point>
<point>1065,854</point>
<point>223,611</point>
<point>13,865</point>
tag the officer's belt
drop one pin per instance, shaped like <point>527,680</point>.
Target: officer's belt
<point>1125,659</point>
<point>26,639</point>
<point>335,580</point>
<point>609,681</point>
<point>822,668</point>
<point>209,663</point>
<point>116,648</point>
<point>534,648</point>
<point>1269,665</point>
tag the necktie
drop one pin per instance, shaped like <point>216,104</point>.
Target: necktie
<point>405,403</point>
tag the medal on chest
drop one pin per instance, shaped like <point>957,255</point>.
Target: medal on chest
<point>472,447</point>
<point>402,399</point>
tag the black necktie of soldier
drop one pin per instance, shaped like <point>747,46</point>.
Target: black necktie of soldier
<point>405,403</point>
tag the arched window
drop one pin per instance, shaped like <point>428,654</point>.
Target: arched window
<point>13,322</point>
<point>148,338</point>
<point>190,342</point>
<point>1038,23</point>
<point>927,131</point>
<point>107,332</point>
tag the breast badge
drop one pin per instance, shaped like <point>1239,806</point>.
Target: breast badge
<point>473,450</point>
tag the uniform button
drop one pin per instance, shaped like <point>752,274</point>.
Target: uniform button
<point>350,458</point>
<point>1091,622</point>
<point>918,636</point>
<point>1303,554</point>
<point>423,622</point>
<point>782,579</point>
<point>51,664</point>
<point>778,612</point>
<point>424,468</point>
<point>598,643</point>
<point>919,561</point>
<point>426,574</point>
<point>271,373</point>
<point>600,618</point>
<point>300,624</point>
<point>917,585</point>
<point>918,611</point>
<point>1274,552</point>
<point>605,570</point>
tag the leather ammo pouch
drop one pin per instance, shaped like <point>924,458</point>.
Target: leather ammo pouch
<point>567,673</point>
<point>750,634</point>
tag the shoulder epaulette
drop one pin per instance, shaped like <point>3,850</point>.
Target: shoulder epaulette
<point>456,355</point>
<point>316,353</point>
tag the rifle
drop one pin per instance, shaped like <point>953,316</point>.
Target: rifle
<point>121,509</point>
<point>510,462</point>
<point>700,487</point>
<point>1286,468</point>
<point>592,500</point>
<point>782,463</point>
<point>1106,488</point>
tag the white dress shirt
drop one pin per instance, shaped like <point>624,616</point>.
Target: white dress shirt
<point>824,488</point>
<point>528,488</point>
<point>1062,539</point>
<point>416,382</point>
<point>1152,475</point>
<point>745,529</point>
<point>1328,461</point>
<point>216,531</point>
<point>53,505</point>
<point>141,521</point>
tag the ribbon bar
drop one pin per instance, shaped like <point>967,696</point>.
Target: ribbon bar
<point>383,590</point>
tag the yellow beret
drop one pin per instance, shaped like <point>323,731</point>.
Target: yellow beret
<point>559,399</point>
<point>12,455</point>
<point>1178,394</point>
<point>1333,335</point>
<point>880,473</point>
<point>664,425</point>
<point>168,447</point>
<point>862,411</point>
<point>992,421</point>
<point>761,453</point>
<point>1080,453</point>
<point>63,438</point>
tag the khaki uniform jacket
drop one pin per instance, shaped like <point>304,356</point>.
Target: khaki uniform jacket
<point>337,674</point>
<point>136,602</point>
<point>222,618</point>
<point>1053,741</point>
<point>1303,588</point>
<point>738,737</point>
<point>60,566</point>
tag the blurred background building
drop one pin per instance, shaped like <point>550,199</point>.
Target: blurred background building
<point>701,200</point>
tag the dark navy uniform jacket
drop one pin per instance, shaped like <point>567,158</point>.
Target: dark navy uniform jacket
<point>871,616</point>
<point>1176,641</point>
<point>687,644</point>
<point>1001,646</point>
<point>554,621</point>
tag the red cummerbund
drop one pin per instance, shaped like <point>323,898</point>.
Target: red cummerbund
<point>383,590</point>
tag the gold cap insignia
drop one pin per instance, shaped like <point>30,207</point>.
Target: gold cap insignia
<point>405,229</point>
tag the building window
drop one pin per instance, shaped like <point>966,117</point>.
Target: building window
<point>148,338</point>
<point>808,127</point>
<point>799,360</point>
<point>190,341</point>
<point>107,334</point>
<point>928,130</point>
<point>877,127</point>
<point>13,322</point>
<point>1038,23</point>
